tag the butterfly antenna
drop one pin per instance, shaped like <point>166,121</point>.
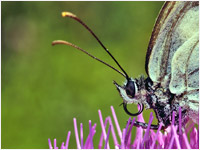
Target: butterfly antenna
<point>70,15</point>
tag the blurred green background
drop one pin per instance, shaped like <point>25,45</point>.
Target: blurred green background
<point>44,87</point>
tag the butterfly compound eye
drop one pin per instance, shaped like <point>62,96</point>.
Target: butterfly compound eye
<point>130,89</point>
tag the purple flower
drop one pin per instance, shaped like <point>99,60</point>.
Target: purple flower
<point>172,138</point>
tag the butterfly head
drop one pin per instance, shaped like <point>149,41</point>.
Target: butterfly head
<point>129,93</point>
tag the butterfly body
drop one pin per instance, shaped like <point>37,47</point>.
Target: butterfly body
<point>172,65</point>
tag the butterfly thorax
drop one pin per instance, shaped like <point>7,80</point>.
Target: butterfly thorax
<point>160,100</point>
<point>163,102</point>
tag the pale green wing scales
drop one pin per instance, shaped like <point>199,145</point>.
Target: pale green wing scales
<point>173,54</point>
<point>168,35</point>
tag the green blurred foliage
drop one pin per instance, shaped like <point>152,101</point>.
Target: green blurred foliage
<point>44,87</point>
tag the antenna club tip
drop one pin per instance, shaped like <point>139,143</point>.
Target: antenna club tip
<point>67,14</point>
<point>56,42</point>
<point>53,43</point>
<point>61,42</point>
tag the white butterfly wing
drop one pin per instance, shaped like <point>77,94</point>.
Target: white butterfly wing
<point>185,76</point>
<point>185,67</point>
<point>173,53</point>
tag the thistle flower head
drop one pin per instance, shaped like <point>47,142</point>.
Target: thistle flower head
<point>172,138</point>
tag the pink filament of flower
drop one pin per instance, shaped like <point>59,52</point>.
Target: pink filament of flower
<point>50,145</point>
<point>81,134</point>
<point>113,131</point>
<point>89,143</point>
<point>67,140</point>
<point>101,137</point>
<point>171,139</point>
<point>116,122</point>
<point>129,133</point>
<point>107,137</point>
<point>156,136</point>
<point>76,134</point>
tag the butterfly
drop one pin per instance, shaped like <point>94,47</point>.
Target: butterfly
<point>172,66</point>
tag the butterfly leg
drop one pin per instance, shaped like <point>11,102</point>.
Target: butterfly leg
<point>145,125</point>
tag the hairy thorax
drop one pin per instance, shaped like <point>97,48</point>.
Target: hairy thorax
<point>163,102</point>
